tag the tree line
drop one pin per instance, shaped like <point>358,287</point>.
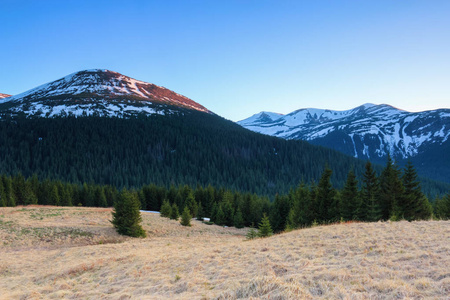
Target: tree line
<point>394,194</point>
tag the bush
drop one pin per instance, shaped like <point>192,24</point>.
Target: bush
<point>126,215</point>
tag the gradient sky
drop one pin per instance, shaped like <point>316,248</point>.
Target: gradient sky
<point>241,57</point>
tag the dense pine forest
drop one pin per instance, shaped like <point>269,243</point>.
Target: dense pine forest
<point>185,148</point>
<point>392,195</point>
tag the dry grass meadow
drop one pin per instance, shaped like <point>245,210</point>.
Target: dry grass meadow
<point>74,253</point>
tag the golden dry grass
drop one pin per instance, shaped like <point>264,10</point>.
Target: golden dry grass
<point>74,253</point>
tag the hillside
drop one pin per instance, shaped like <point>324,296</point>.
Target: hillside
<point>368,132</point>
<point>54,252</point>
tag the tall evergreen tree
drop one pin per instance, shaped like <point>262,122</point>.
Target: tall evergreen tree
<point>327,210</point>
<point>220,216</point>
<point>238,219</point>
<point>279,213</point>
<point>370,190</point>
<point>415,204</point>
<point>200,212</point>
<point>350,201</point>
<point>391,191</point>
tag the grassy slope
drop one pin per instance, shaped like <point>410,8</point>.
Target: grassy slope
<point>51,252</point>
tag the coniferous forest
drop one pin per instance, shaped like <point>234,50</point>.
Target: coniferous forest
<point>392,195</point>
<point>181,148</point>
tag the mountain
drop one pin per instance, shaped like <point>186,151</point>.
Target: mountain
<point>369,132</point>
<point>103,127</point>
<point>99,126</point>
<point>100,92</point>
<point>4,96</point>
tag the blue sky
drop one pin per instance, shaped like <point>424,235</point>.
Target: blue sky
<point>238,58</point>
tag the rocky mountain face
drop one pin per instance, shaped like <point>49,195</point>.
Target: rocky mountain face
<point>97,92</point>
<point>366,132</point>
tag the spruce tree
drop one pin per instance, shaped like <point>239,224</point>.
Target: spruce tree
<point>174,213</point>
<point>279,213</point>
<point>126,215</point>
<point>442,207</point>
<point>415,204</point>
<point>9,192</point>
<point>166,209</point>
<point>264,229</point>
<point>220,216</point>
<point>370,201</point>
<point>191,204</point>
<point>391,191</point>
<point>54,195</point>
<point>186,217</point>
<point>200,212</point>
<point>350,204</point>
<point>327,210</point>
<point>238,219</point>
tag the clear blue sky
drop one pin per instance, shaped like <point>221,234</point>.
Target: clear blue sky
<point>241,57</point>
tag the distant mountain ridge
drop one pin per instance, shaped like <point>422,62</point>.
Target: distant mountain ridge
<point>367,132</point>
<point>96,91</point>
<point>4,96</point>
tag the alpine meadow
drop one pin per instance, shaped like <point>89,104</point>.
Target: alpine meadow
<point>224,150</point>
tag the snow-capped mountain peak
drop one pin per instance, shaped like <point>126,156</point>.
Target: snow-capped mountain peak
<point>368,131</point>
<point>97,91</point>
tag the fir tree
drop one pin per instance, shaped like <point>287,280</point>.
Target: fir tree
<point>100,197</point>
<point>191,204</point>
<point>220,216</point>
<point>174,213</point>
<point>54,195</point>
<point>350,204</point>
<point>238,219</point>
<point>186,217</point>
<point>279,213</point>
<point>415,204</point>
<point>442,207</point>
<point>200,212</point>
<point>390,191</point>
<point>327,210</point>
<point>370,190</point>
<point>264,229</point>
<point>126,215</point>
<point>166,209</point>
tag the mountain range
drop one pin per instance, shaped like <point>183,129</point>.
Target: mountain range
<point>104,127</point>
<point>368,132</point>
<point>4,96</point>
